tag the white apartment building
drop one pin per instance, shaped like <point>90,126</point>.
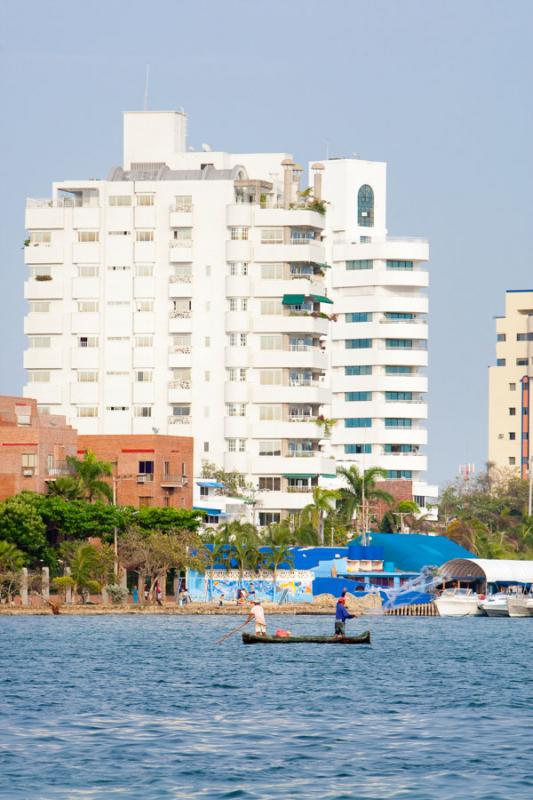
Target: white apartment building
<point>187,294</point>
<point>509,384</point>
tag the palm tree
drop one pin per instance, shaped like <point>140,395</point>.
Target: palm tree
<point>361,489</point>
<point>66,486</point>
<point>277,539</point>
<point>405,514</point>
<point>11,562</point>
<point>323,504</point>
<point>90,568</point>
<point>243,541</point>
<point>89,473</point>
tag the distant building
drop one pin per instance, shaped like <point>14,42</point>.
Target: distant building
<point>33,446</point>
<point>148,469</point>
<point>509,384</point>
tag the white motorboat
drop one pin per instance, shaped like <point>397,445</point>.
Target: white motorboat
<point>495,605</point>
<point>520,605</point>
<point>458,603</point>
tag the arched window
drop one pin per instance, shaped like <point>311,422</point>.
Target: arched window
<point>365,206</point>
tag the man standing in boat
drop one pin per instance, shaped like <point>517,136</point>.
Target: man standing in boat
<point>257,613</point>
<point>341,615</point>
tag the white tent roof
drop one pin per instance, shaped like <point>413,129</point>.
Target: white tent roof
<point>492,569</point>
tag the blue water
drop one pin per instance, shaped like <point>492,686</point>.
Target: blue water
<point>150,707</point>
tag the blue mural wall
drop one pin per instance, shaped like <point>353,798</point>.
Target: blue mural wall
<point>294,586</point>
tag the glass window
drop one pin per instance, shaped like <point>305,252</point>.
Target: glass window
<point>271,342</point>
<point>512,387</point>
<point>512,412</point>
<point>29,460</point>
<point>520,362</point>
<point>270,413</point>
<point>269,483</point>
<point>87,376</point>
<point>361,263</point>
<point>144,270</point>
<point>393,263</point>
<point>182,235</point>
<point>365,206</point>
<point>357,449</point>
<point>269,518</point>
<point>239,234</point>
<point>143,376</point>
<point>87,411</point>
<point>399,315</point>
<point>395,397</point>
<point>394,449</point>
<point>40,272</point>
<point>38,376</point>
<point>183,202</point>
<point>144,236</point>
<point>235,409</point>
<point>119,200</point>
<point>359,369</point>
<point>39,306</point>
<point>145,199</point>
<point>271,377</point>
<point>272,271</point>
<point>144,305</point>
<point>398,370</point>
<point>87,341</point>
<point>144,340</point>
<point>181,410</point>
<point>232,445</point>
<point>39,342</point>
<point>142,411</point>
<point>398,422</point>
<point>358,422</point>
<point>87,306</point>
<point>397,474</point>
<point>270,447</point>
<point>40,237</point>
<point>88,236</point>
<point>87,270</point>
<point>358,344</point>
<point>359,316</point>
<point>399,344</point>
<point>269,307</point>
<point>272,236</point>
<point>357,396</point>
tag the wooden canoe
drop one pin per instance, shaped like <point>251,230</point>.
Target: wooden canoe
<point>362,638</point>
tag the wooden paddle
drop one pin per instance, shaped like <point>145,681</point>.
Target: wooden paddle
<point>235,630</point>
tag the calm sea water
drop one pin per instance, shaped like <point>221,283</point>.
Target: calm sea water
<point>151,707</point>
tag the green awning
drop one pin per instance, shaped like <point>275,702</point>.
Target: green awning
<point>319,299</point>
<point>328,476</point>
<point>293,299</point>
<point>297,475</point>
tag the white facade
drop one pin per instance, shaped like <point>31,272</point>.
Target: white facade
<point>187,294</point>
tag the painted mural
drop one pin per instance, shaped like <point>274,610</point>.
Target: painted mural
<point>294,586</point>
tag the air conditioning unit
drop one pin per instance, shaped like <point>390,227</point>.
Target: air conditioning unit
<point>27,472</point>
<point>184,481</point>
<point>141,478</point>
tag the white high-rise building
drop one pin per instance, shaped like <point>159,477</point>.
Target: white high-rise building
<point>187,294</point>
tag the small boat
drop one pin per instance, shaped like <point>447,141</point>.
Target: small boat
<point>521,605</point>
<point>362,638</point>
<point>458,603</point>
<point>495,605</point>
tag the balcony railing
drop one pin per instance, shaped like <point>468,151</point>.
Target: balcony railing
<point>173,480</point>
<point>61,202</point>
<point>301,418</point>
<point>181,243</point>
<point>182,208</point>
<point>402,321</point>
<point>181,419</point>
<point>179,314</point>
<point>180,348</point>
<point>180,279</point>
<point>180,384</point>
<point>299,489</point>
<point>302,453</point>
<point>304,383</point>
<point>302,241</point>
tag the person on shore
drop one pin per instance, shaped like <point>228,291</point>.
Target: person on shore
<point>147,593</point>
<point>242,594</point>
<point>221,600</point>
<point>135,595</point>
<point>251,593</point>
<point>158,594</point>
<point>257,613</point>
<point>341,615</point>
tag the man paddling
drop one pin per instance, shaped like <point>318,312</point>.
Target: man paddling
<point>257,613</point>
<point>341,615</point>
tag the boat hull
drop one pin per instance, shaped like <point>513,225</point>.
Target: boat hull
<point>455,607</point>
<point>495,612</point>
<point>520,607</point>
<point>362,638</point>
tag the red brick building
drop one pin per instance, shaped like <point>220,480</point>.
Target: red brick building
<point>33,446</point>
<point>148,469</point>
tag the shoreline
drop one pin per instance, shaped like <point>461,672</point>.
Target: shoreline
<point>203,609</point>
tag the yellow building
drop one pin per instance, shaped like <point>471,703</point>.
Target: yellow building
<point>509,383</point>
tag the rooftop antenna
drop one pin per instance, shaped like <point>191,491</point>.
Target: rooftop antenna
<point>146,82</point>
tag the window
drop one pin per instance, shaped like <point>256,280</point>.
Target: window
<point>118,268</point>
<point>399,344</point>
<point>361,263</point>
<point>144,305</point>
<point>365,206</point>
<point>115,303</point>
<point>358,370</point>
<point>501,337</point>
<point>29,460</point>
<point>232,445</point>
<point>87,376</point>
<point>396,449</point>
<point>39,306</point>
<point>512,461</point>
<point>271,236</point>
<point>87,341</point>
<point>271,342</point>
<point>398,422</point>
<point>358,344</point>
<point>182,236</point>
<point>145,501</point>
<point>183,202</point>
<point>358,422</point>
<point>181,340</point>
<point>520,362</point>
<point>39,341</point>
<point>143,376</point>
<point>181,410</point>
<point>119,233</point>
<point>144,270</point>
<point>270,447</point>
<point>235,409</point>
<point>269,483</point>
<point>398,474</point>
<point>271,377</point>
<point>142,411</point>
<point>144,236</point>
<point>206,447</point>
<point>239,234</point>
<point>40,237</point>
<point>500,362</point>
<point>269,307</point>
<point>365,239</point>
<point>357,449</point>
<point>145,199</point>
<point>88,236</point>
<point>398,397</point>
<point>238,268</point>
<point>272,272</point>
<point>88,270</point>
<point>116,373</point>
<point>144,340</point>
<point>269,518</point>
<point>512,387</point>
<point>87,411</point>
<point>512,436</point>
<point>399,315</point>
<point>40,272</point>
<point>512,412</point>
<point>398,370</point>
<point>242,445</point>
<point>524,337</point>
<point>38,376</point>
<point>359,316</point>
<point>119,200</point>
<point>87,306</point>
<point>351,397</point>
<point>146,469</point>
<point>270,413</point>
<point>393,263</point>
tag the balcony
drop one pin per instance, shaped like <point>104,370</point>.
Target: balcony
<point>238,250</point>
<point>295,217</point>
<point>44,358</point>
<point>59,471</point>
<point>300,356</point>
<point>184,349</point>
<point>180,252</point>
<point>311,251</point>
<point>173,481</point>
<point>291,323</point>
<point>180,217</point>
<point>44,254</point>
<point>35,323</point>
<point>179,314</point>
<point>182,422</point>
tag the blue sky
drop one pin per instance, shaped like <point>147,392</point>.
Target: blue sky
<point>439,90</point>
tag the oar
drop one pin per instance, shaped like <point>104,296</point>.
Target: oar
<point>235,630</point>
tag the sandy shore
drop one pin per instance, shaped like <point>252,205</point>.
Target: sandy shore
<point>192,609</point>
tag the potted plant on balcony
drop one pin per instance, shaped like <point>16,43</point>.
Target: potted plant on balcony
<point>326,425</point>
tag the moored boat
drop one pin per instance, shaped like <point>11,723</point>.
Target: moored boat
<point>362,638</point>
<point>458,603</point>
<point>495,605</point>
<point>521,605</point>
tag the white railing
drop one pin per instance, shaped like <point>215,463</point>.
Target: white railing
<point>179,420</point>
<point>384,240</point>
<point>181,243</point>
<point>304,383</point>
<point>61,202</point>
<point>302,453</point>
<point>402,321</point>
<point>180,314</point>
<point>303,241</point>
<point>182,209</point>
<point>178,348</point>
<point>301,348</point>
<point>301,418</point>
<point>180,279</point>
<point>300,489</point>
<point>182,384</point>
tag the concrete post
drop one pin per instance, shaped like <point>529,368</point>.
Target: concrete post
<point>123,577</point>
<point>287,182</point>
<point>45,583</point>
<point>317,180</point>
<point>68,590</point>
<point>24,586</point>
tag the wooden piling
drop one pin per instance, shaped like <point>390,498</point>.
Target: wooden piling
<point>416,610</point>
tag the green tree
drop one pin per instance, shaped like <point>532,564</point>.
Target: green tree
<point>322,506</point>
<point>21,524</point>
<point>234,483</point>
<point>277,540</point>
<point>404,514</point>
<point>66,487</point>
<point>90,473</point>
<point>166,519</point>
<point>351,494</point>
<point>243,540</point>
<point>11,562</point>
<point>91,568</point>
